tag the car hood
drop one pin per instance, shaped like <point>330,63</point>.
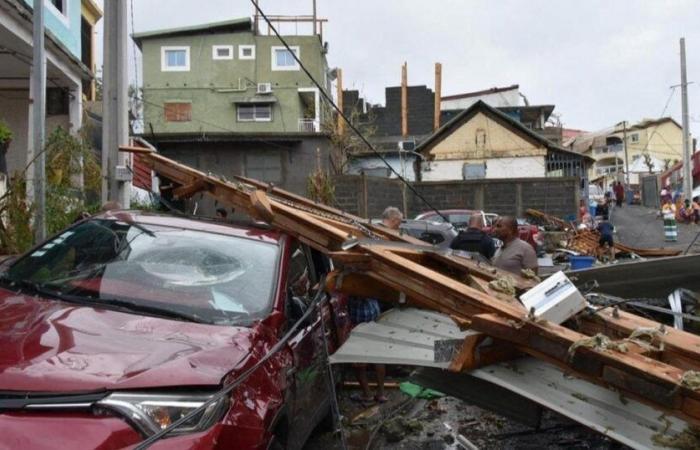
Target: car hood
<point>52,346</point>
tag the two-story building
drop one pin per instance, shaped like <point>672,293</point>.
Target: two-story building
<point>70,56</point>
<point>653,145</point>
<point>226,99</point>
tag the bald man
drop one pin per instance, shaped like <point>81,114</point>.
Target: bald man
<point>516,254</point>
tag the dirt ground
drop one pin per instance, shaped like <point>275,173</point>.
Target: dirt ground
<point>408,423</point>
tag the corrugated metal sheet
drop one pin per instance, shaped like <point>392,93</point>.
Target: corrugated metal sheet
<point>142,174</point>
<point>409,336</point>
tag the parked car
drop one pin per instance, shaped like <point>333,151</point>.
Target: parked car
<point>122,324</point>
<point>459,218</point>
<point>438,234</point>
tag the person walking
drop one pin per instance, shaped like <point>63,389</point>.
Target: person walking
<point>606,244</point>
<point>474,239</point>
<point>619,191</point>
<point>516,254</point>
<point>668,210</point>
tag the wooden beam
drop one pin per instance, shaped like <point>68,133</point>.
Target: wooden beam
<point>438,95</point>
<point>188,190</point>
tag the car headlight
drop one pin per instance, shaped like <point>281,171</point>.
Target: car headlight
<point>153,412</point>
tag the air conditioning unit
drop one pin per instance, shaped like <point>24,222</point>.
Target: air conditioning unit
<point>264,88</point>
<point>407,146</point>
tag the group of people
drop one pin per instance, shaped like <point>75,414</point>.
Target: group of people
<point>513,256</point>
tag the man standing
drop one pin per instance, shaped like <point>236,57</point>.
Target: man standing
<point>474,239</point>
<point>516,254</point>
<point>619,191</point>
<point>362,310</point>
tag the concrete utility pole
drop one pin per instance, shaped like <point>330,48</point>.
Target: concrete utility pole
<point>687,177</point>
<point>627,160</point>
<point>116,179</point>
<point>38,102</point>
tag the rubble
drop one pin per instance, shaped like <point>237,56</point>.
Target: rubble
<point>370,264</point>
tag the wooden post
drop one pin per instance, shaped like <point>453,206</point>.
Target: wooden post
<point>438,95</point>
<point>339,93</point>
<point>404,100</point>
<point>364,212</point>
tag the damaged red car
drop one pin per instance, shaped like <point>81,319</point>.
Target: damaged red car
<point>124,323</point>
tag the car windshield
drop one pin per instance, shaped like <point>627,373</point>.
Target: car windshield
<point>454,218</point>
<point>157,270</point>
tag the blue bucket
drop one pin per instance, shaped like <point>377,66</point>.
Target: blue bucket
<point>581,262</point>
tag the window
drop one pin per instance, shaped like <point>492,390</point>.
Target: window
<point>282,59</point>
<point>222,52</point>
<point>175,59</point>
<point>264,166</point>
<point>246,52</point>
<point>634,137</point>
<point>480,138</point>
<point>177,112</point>
<point>254,113</point>
<point>60,5</point>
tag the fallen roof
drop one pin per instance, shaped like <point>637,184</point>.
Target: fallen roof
<point>409,336</point>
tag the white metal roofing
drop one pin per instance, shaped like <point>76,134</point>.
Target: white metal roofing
<point>407,336</point>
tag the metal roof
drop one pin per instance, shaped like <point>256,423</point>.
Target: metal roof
<point>409,336</point>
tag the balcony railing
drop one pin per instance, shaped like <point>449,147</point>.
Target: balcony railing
<point>309,126</point>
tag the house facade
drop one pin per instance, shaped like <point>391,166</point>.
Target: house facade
<point>229,100</point>
<point>70,49</point>
<point>656,143</point>
<point>483,142</point>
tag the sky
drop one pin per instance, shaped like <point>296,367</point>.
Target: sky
<point>599,61</point>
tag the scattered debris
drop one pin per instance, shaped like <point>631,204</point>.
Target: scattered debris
<point>688,439</point>
<point>504,284</point>
<point>598,342</point>
<point>691,380</point>
<point>530,275</point>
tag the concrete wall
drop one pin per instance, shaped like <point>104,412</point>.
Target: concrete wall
<point>296,159</point>
<point>65,28</point>
<point>212,86</point>
<point>368,196</point>
<point>496,168</point>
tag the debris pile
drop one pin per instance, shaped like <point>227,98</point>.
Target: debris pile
<point>372,261</point>
<point>586,242</point>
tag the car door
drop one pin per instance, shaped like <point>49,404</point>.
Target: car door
<point>308,377</point>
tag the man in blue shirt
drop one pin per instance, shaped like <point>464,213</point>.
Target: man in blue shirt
<point>606,242</point>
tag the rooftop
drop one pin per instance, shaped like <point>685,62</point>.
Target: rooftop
<point>241,24</point>
<point>493,90</point>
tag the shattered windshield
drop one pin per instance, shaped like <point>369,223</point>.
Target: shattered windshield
<point>201,276</point>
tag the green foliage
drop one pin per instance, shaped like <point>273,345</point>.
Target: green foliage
<point>5,133</point>
<point>68,159</point>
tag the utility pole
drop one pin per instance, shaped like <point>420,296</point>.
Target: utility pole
<point>627,160</point>
<point>116,179</point>
<point>687,177</point>
<point>438,95</point>
<point>38,102</point>
<point>340,128</point>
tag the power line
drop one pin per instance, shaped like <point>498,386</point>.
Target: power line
<point>133,31</point>
<point>341,114</point>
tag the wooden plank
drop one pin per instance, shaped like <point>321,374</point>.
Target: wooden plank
<point>188,190</point>
<point>261,206</point>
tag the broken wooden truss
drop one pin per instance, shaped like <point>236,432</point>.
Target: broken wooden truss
<point>637,357</point>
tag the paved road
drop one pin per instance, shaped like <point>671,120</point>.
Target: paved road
<point>639,226</point>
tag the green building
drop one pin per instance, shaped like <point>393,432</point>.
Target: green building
<point>226,99</point>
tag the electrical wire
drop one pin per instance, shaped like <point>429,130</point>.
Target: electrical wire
<point>342,115</point>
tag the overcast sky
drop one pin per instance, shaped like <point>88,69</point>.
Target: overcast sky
<point>600,62</point>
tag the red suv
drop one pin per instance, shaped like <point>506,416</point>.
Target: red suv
<point>460,219</point>
<point>122,324</point>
